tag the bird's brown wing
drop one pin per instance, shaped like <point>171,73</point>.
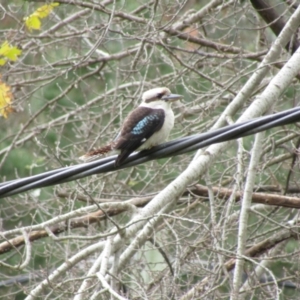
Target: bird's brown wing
<point>137,128</point>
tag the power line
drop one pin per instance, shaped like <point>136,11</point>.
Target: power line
<point>172,148</point>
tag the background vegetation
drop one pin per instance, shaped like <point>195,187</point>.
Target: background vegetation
<point>149,232</point>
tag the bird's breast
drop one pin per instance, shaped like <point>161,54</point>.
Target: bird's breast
<point>161,135</point>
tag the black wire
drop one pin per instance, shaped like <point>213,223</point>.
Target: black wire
<point>246,129</point>
<point>172,148</point>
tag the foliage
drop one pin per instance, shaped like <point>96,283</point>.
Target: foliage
<point>5,100</point>
<point>33,21</point>
<point>8,52</point>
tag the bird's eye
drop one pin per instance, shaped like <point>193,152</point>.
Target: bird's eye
<point>160,95</point>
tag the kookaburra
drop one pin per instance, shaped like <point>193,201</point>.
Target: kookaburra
<point>146,126</point>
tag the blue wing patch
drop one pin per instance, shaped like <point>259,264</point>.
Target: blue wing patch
<point>144,123</point>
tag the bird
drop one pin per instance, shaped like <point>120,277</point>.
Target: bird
<point>145,127</point>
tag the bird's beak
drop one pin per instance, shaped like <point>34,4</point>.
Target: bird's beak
<point>171,97</point>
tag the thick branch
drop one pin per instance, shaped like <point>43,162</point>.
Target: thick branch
<point>268,199</point>
<point>273,19</point>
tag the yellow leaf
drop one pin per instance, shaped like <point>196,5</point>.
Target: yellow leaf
<point>9,52</point>
<point>33,22</point>
<point>13,53</point>
<point>2,62</point>
<point>4,48</point>
<point>5,100</point>
<point>45,10</point>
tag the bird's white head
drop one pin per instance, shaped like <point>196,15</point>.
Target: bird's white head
<point>160,96</point>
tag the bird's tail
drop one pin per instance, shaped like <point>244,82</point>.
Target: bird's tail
<point>94,154</point>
